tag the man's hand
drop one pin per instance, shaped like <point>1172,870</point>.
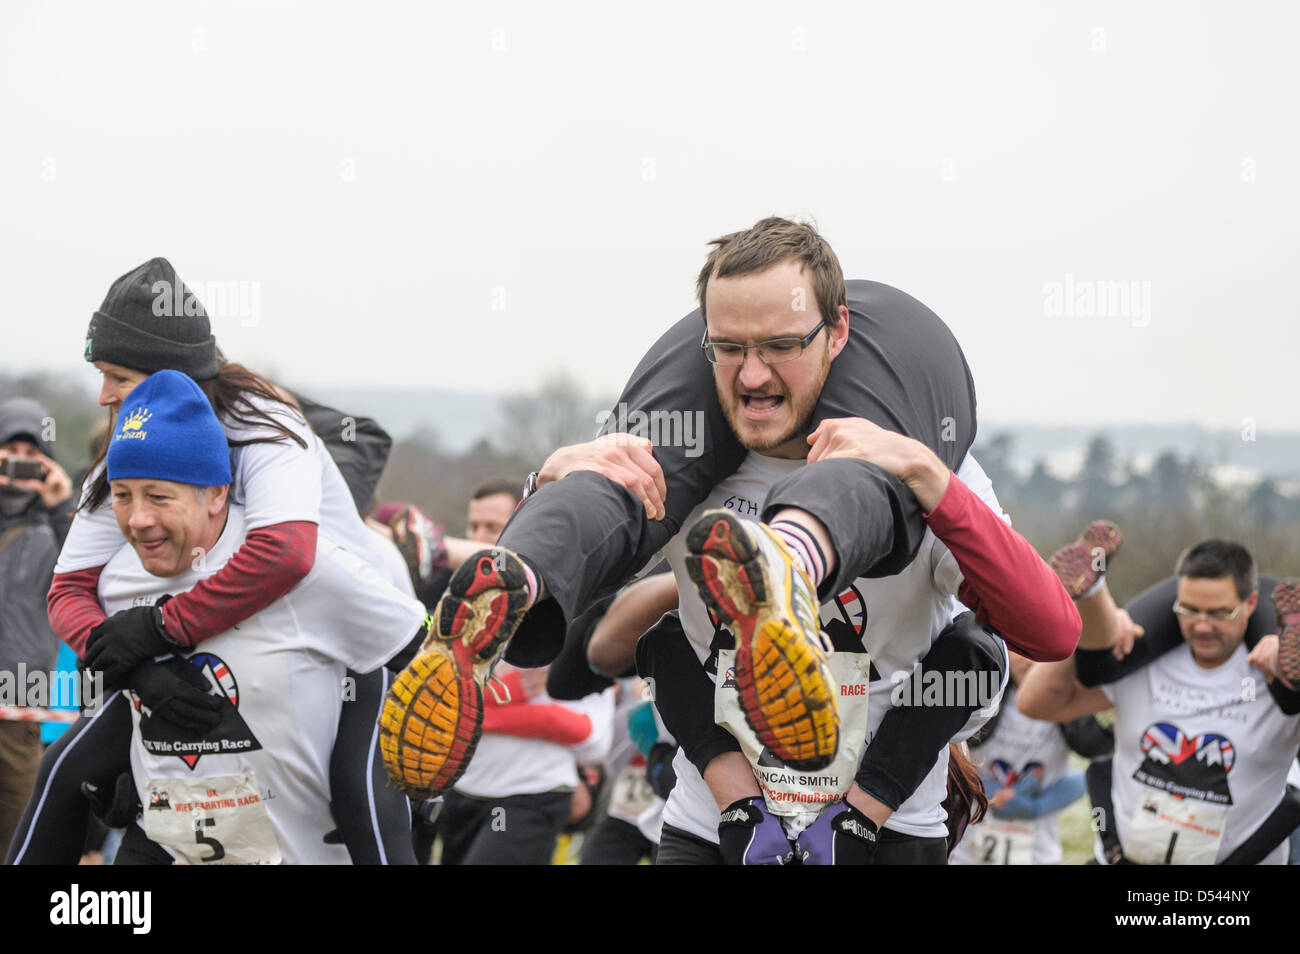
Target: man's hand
<point>123,641</point>
<point>1264,658</point>
<point>748,835</point>
<point>909,460</point>
<point>1126,632</point>
<point>841,835</point>
<point>626,459</point>
<point>176,692</point>
<point>53,489</point>
<point>1001,797</point>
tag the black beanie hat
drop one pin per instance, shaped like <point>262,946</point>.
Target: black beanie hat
<point>150,321</point>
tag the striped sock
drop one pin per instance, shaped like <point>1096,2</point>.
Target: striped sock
<point>804,547</point>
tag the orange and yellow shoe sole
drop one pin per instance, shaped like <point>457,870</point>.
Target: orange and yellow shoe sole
<point>432,716</point>
<point>785,688</point>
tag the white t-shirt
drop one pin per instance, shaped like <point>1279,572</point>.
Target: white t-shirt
<point>273,482</point>
<point>505,765</point>
<point>1215,737</point>
<point>284,670</point>
<point>897,618</point>
<point>1018,747</point>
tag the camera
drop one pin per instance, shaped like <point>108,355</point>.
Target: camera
<point>16,468</point>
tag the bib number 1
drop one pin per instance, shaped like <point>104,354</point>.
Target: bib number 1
<point>1003,842</point>
<point>1168,830</point>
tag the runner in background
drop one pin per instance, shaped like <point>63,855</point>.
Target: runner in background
<point>1202,750</point>
<point>1024,767</point>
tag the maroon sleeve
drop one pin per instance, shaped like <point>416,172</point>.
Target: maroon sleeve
<point>73,605</point>
<point>1005,582</point>
<point>547,721</point>
<point>271,561</point>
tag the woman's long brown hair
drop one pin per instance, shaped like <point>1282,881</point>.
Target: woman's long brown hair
<point>966,802</point>
<point>229,394</point>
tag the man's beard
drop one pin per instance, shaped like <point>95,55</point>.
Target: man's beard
<point>802,414</point>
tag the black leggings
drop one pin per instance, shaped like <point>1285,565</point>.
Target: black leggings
<point>95,749</point>
<point>137,849</point>
<point>911,738</point>
<point>616,842</point>
<point>511,830</point>
<point>374,818</point>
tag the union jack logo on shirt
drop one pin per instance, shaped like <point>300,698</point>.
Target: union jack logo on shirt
<point>215,668</point>
<point>1165,743</point>
<point>1005,773</point>
<point>852,609</point>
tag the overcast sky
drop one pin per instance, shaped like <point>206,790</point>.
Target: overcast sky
<point>473,194</point>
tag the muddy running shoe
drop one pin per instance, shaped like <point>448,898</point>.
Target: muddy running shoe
<point>433,715</point>
<point>1080,564</point>
<point>1286,602</point>
<point>749,579</point>
<point>420,541</point>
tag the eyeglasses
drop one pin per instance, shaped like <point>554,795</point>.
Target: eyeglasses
<point>771,351</point>
<point>1213,616</point>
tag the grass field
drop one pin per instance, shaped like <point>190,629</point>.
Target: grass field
<point>1075,825</point>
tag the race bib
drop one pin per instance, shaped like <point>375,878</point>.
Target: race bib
<point>789,792</point>
<point>1168,830</point>
<point>1001,841</point>
<point>631,794</point>
<point>212,821</point>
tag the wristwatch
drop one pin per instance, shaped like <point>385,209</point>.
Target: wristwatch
<point>530,486</point>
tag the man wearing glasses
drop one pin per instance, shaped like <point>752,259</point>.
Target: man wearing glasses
<point>795,364</point>
<point>1202,750</point>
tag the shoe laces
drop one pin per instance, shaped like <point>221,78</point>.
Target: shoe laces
<point>496,686</point>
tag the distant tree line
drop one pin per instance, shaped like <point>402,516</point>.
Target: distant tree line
<point>1161,510</point>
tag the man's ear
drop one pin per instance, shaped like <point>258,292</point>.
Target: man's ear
<point>217,499</point>
<point>839,332</point>
<point>1251,603</point>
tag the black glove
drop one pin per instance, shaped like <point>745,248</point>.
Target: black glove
<point>841,835</point>
<point>117,807</point>
<point>749,835</point>
<point>124,640</point>
<point>176,692</point>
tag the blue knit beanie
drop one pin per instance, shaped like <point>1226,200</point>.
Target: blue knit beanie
<point>166,430</point>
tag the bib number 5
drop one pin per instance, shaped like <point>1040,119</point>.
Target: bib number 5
<point>201,838</point>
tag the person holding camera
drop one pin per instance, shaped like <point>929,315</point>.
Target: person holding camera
<point>35,513</point>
